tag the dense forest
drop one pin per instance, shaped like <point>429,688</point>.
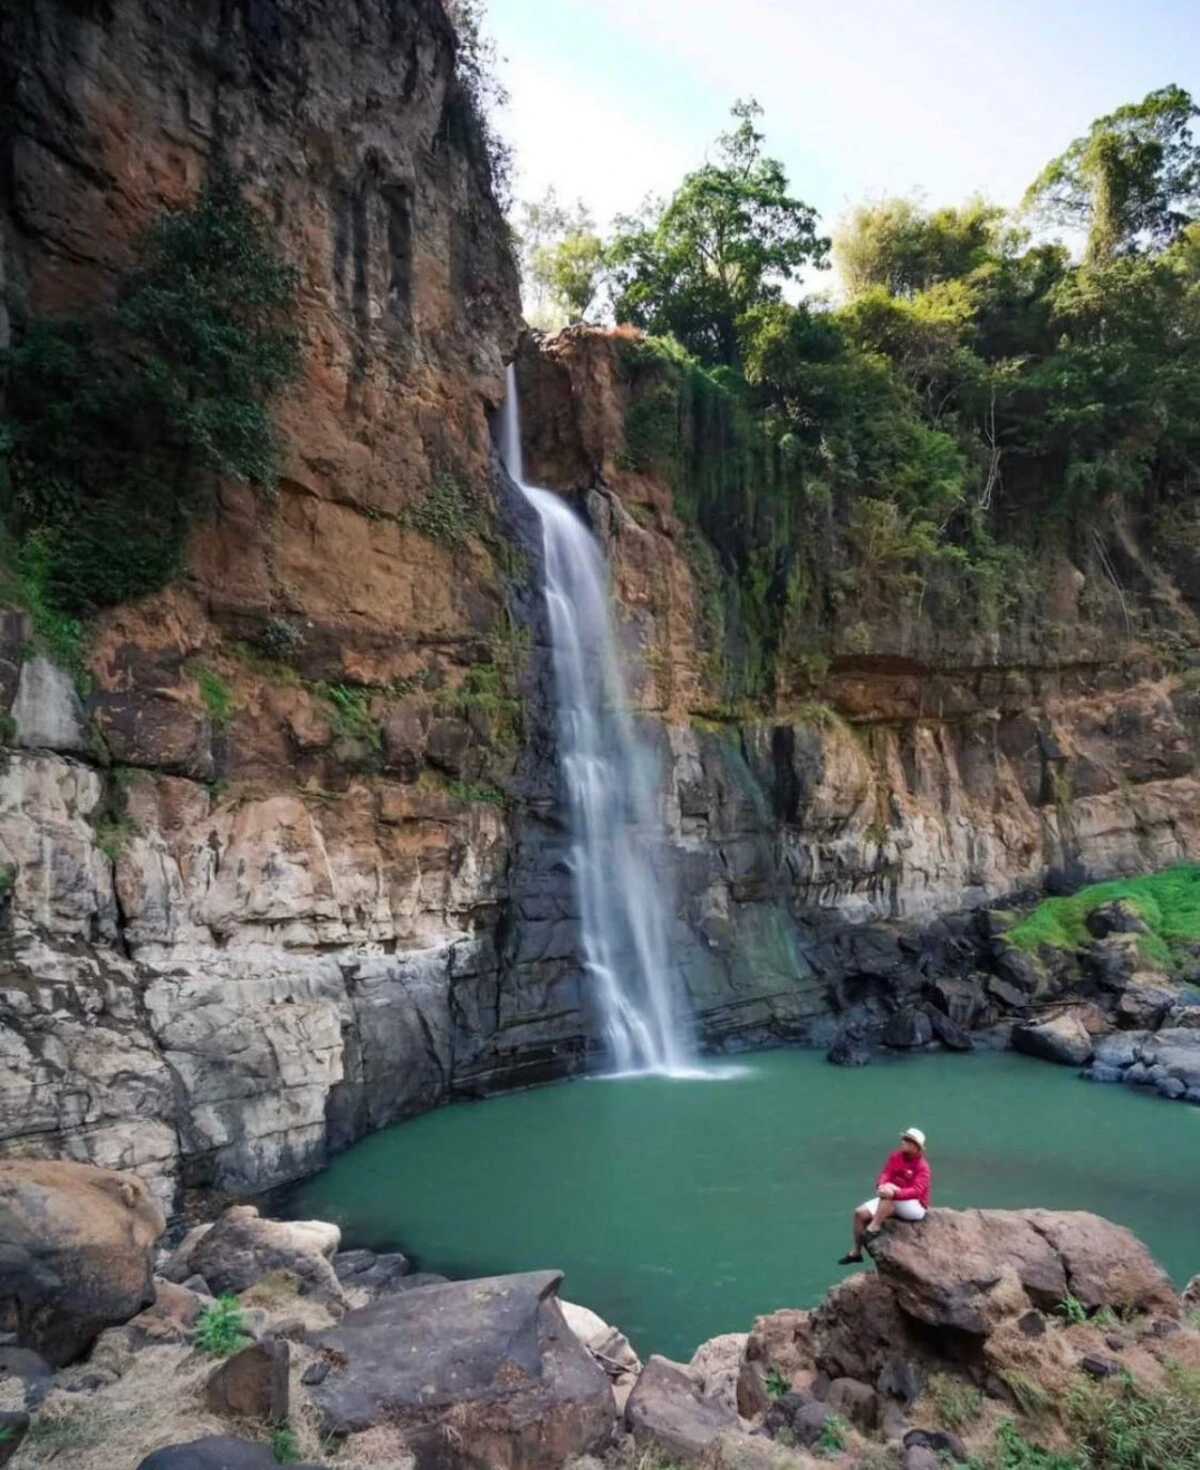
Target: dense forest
<point>981,385</point>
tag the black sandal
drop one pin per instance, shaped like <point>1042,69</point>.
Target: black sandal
<point>853,1259</point>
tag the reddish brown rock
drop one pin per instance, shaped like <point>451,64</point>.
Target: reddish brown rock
<point>253,1384</point>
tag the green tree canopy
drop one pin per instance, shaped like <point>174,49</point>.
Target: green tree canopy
<point>1133,178</point>
<point>726,242</point>
<point>902,248</point>
<point>562,260</point>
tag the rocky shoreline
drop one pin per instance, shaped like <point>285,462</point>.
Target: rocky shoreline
<point>256,1338</point>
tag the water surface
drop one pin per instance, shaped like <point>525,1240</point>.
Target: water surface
<point>680,1209</point>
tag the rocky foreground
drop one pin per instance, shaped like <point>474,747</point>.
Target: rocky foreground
<point>118,1354</point>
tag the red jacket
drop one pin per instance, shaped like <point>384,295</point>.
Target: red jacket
<point>910,1176</point>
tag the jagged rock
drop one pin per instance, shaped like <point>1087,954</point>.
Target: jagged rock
<point>856,1402</point>
<point>242,1248</point>
<point>666,1410</point>
<point>1096,1367</point>
<point>1144,1002</point>
<point>14,1426</point>
<point>36,1375</point>
<point>371,1272</point>
<point>404,736</point>
<point>47,713</point>
<point>900,1379</point>
<point>1191,1293</point>
<point>610,1348</point>
<point>253,1383</point>
<point>216,1452</point>
<point>316,1373</point>
<point>490,1364</point>
<point>78,1253</point>
<point>1117,917</point>
<point>849,1049</point>
<point>948,1032</point>
<point>1010,996</point>
<point>858,1328</point>
<point>169,1318</point>
<point>1174,1053</point>
<point>908,1030</point>
<point>939,1442</point>
<point>962,1001</point>
<point>149,730</point>
<point>800,1415</point>
<point>968,1270</point>
<point>716,1366</point>
<point>1019,969</point>
<point>1063,1039</point>
<point>781,1341</point>
<point>1112,963</point>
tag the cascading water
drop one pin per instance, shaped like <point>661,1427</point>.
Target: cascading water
<point>609,778</point>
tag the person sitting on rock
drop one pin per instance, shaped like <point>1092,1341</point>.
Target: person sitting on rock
<point>903,1191</point>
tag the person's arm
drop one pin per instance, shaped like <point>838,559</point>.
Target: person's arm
<point>885,1176</point>
<point>919,1185</point>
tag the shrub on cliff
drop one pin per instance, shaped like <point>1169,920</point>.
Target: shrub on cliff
<point>117,426</point>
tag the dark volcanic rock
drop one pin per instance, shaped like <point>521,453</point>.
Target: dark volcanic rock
<point>490,1364</point>
<point>908,1030</point>
<point>216,1452</point>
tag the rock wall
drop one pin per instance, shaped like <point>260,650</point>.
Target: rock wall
<point>254,904</point>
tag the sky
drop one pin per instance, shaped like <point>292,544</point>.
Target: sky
<point>615,99</point>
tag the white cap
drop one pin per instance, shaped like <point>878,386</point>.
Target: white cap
<point>916,1135</point>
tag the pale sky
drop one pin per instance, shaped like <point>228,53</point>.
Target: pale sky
<point>612,99</point>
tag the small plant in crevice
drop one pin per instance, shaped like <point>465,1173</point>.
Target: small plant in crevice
<point>449,512</point>
<point>482,795</point>
<point>832,1439</point>
<point>1012,1451</point>
<point>221,1329</point>
<point>1072,1310</point>
<point>280,639</point>
<point>349,709</point>
<point>285,1445</point>
<point>215,695</point>
<point>111,822</point>
<point>776,1385</point>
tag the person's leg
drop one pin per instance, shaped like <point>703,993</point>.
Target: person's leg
<point>884,1210</point>
<point>909,1209</point>
<point>861,1218</point>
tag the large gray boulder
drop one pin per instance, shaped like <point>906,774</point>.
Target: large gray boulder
<point>667,1411</point>
<point>482,1373</point>
<point>243,1247</point>
<point>968,1269</point>
<point>76,1253</point>
<point>1063,1039</point>
<point>216,1452</point>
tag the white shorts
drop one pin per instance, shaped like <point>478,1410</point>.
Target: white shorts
<point>903,1209</point>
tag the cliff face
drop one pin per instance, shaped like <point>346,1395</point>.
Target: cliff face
<point>257,899</point>
<point>927,768</point>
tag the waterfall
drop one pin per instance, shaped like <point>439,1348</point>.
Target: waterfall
<point>609,777</point>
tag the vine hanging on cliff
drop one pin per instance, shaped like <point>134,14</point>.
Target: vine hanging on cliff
<point>118,425</point>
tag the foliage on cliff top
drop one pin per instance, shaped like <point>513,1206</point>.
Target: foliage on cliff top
<point>976,403</point>
<point>117,426</point>
<point>1168,903</point>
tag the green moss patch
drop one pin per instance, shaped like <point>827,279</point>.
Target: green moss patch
<point>1168,903</point>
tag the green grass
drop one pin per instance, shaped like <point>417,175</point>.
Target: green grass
<point>285,1445</point>
<point>215,694</point>
<point>221,1328</point>
<point>1123,1427</point>
<point>1168,903</point>
<point>1012,1451</point>
<point>833,1435</point>
<point>957,1403</point>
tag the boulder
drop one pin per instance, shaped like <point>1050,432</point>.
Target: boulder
<point>483,1372</point>
<point>1145,1001</point>
<point>801,1415</point>
<point>1010,996</point>
<point>850,1049</point>
<point>610,1348</point>
<point>667,1411</point>
<point>370,1272</point>
<point>949,1032</point>
<point>1116,917</point>
<point>77,1253</point>
<point>253,1383</point>
<point>14,1426</point>
<point>1063,1039</point>
<point>858,1329</point>
<point>1174,1053</point>
<point>242,1248</point>
<point>1191,1294</point>
<point>171,1317</point>
<point>716,1366</point>
<point>216,1452</point>
<point>908,1030</point>
<point>856,1402</point>
<point>968,1270</point>
<point>938,1442</point>
<point>1119,1050</point>
<point>781,1341</point>
<point>1112,963</point>
<point>1018,968</point>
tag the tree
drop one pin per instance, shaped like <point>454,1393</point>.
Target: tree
<point>726,242</point>
<point>1132,179</point>
<point>562,260</point>
<point>899,246</point>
